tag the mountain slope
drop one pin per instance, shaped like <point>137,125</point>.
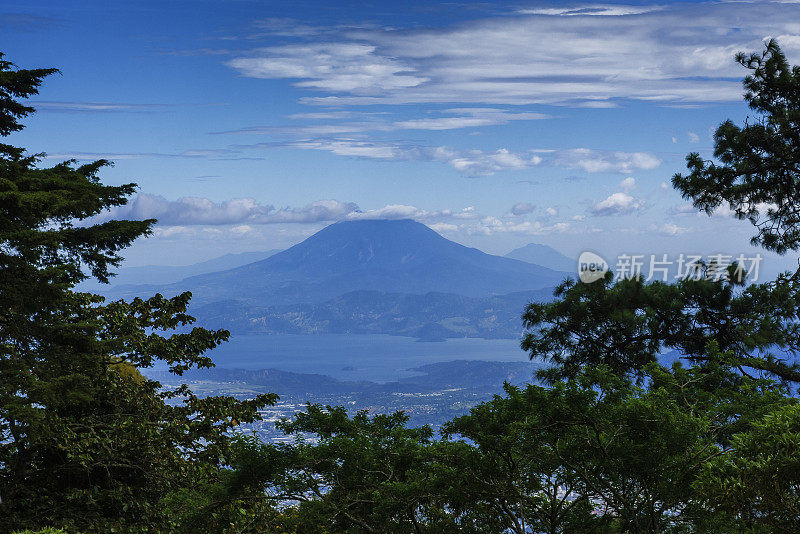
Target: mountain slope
<point>167,274</point>
<point>544,256</point>
<point>379,255</point>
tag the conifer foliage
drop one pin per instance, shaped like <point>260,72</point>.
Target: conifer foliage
<point>87,443</point>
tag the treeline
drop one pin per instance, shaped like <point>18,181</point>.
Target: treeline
<point>614,442</point>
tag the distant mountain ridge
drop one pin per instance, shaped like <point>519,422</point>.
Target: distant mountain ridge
<point>544,256</point>
<point>431,378</point>
<point>390,256</point>
<point>167,274</point>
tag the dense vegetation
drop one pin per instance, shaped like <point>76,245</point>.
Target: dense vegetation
<point>86,442</point>
<point>614,441</point>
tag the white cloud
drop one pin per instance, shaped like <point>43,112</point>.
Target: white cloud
<point>467,118</point>
<point>338,67</point>
<point>242,229</point>
<point>592,10</point>
<point>684,209</point>
<point>467,213</point>
<point>194,216</point>
<point>617,204</point>
<point>491,225</point>
<point>551,212</point>
<point>357,148</point>
<point>469,162</point>
<point>723,211</point>
<point>586,55</point>
<point>628,183</point>
<point>478,162</point>
<point>450,119</point>
<point>443,227</point>
<point>670,228</point>
<point>92,107</point>
<point>202,211</point>
<point>180,233</point>
<point>693,137</point>
<point>594,161</point>
<point>392,211</point>
<point>201,218</point>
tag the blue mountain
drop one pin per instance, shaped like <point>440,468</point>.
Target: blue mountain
<point>544,256</point>
<point>399,256</point>
<point>167,274</point>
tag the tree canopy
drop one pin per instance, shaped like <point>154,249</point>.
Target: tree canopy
<point>757,166</point>
<point>88,443</point>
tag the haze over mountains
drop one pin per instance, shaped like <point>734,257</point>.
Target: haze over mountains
<point>375,276</point>
<point>544,256</point>
<point>167,274</point>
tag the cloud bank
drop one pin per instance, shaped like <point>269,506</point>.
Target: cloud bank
<point>198,216</point>
<point>479,162</point>
<point>617,204</point>
<point>202,211</point>
<point>585,56</point>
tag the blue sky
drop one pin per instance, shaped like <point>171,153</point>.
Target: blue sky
<point>250,125</point>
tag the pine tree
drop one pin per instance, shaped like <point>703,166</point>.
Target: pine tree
<point>87,443</point>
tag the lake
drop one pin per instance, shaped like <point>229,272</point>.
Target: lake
<point>379,358</point>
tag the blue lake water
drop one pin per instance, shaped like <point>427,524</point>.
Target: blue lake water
<point>356,357</point>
